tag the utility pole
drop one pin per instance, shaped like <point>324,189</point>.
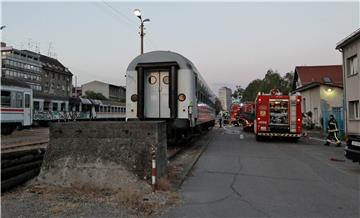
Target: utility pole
<point>142,37</point>
<point>137,13</point>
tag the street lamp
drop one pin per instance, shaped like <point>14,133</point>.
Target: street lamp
<point>2,27</point>
<point>137,13</point>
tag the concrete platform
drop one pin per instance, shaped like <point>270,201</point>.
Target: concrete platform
<point>103,154</point>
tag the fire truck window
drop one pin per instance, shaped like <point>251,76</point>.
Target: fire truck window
<point>5,99</point>
<point>27,100</point>
<point>19,100</point>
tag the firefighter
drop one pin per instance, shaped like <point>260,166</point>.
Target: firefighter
<point>332,129</point>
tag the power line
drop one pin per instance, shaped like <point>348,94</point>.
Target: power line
<point>118,12</point>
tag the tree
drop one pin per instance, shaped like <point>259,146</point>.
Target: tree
<point>95,95</point>
<point>238,92</point>
<point>272,80</point>
<point>252,89</point>
<point>218,106</point>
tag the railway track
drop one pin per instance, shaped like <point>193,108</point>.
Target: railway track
<point>17,167</point>
<point>24,146</point>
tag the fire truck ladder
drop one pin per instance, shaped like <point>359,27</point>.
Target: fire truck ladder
<point>293,113</point>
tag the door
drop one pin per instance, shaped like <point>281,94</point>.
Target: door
<point>27,110</point>
<point>156,94</point>
<point>164,94</point>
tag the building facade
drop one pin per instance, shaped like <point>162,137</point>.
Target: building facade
<point>21,65</point>
<point>109,91</point>
<point>50,81</point>
<point>350,48</point>
<point>321,88</point>
<point>225,98</point>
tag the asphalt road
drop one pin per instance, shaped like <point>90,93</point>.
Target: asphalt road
<point>239,177</point>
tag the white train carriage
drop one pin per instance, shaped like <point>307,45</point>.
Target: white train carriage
<point>16,105</point>
<point>163,85</point>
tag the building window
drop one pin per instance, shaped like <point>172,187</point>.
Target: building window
<point>354,110</point>
<point>352,64</point>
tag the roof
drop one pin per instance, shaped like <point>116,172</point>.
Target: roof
<point>327,74</point>
<point>166,57</point>
<point>52,61</point>
<point>103,83</point>
<point>313,85</point>
<point>350,38</point>
<point>162,57</point>
<point>12,82</point>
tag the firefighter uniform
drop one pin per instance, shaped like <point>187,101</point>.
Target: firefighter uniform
<point>333,129</point>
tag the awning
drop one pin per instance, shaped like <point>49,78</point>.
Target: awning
<point>85,101</point>
<point>96,102</point>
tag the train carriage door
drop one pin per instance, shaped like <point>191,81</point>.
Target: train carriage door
<point>164,94</point>
<point>151,95</point>
<point>27,110</point>
<point>156,94</point>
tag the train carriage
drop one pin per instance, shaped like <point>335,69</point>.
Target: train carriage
<point>163,85</point>
<point>16,105</point>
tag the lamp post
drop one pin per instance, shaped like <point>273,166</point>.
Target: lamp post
<point>2,27</point>
<point>137,13</point>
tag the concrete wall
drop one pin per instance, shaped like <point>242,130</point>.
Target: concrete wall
<point>352,84</point>
<point>103,154</point>
<point>314,96</point>
<point>312,101</point>
<point>96,86</point>
<point>334,97</point>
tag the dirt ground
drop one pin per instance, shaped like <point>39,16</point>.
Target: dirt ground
<point>36,200</point>
<point>39,200</point>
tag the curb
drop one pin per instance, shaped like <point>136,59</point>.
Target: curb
<point>192,164</point>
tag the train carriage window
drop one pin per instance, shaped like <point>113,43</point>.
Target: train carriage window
<point>152,80</point>
<point>19,100</point>
<point>62,107</point>
<point>109,109</point>
<point>27,100</point>
<point>166,80</point>
<point>5,98</point>
<point>36,105</point>
<point>55,106</point>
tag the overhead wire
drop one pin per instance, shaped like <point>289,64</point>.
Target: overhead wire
<point>128,21</point>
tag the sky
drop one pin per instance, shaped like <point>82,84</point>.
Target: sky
<point>230,43</point>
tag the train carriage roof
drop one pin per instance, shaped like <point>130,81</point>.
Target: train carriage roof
<point>162,57</point>
<point>167,57</point>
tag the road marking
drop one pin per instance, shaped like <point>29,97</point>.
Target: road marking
<point>241,136</point>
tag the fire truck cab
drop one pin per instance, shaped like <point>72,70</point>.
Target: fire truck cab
<point>278,115</point>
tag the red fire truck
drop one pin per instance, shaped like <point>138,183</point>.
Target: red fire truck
<point>278,115</point>
<point>234,114</point>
